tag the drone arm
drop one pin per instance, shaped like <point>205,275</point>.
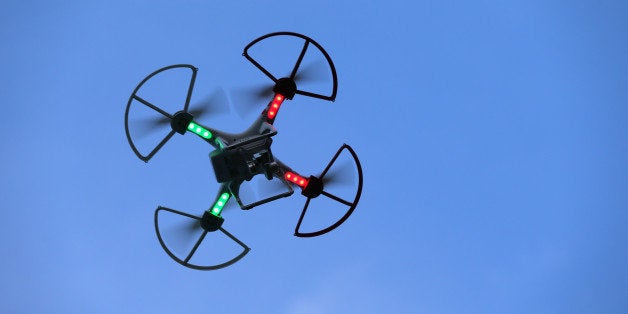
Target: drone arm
<point>272,109</point>
<point>221,200</point>
<point>289,175</point>
<point>207,134</point>
<point>297,179</point>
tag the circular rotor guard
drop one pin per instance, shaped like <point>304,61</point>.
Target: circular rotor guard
<point>135,96</point>
<point>350,204</point>
<point>306,44</point>
<point>186,261</point>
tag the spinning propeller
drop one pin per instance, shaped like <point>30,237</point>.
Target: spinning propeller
<point>215,103</point>
<point>287,85</point>
<point>207,223</point>
<point>248,99</point>
<point>173,118</point>
<point>237,158</point>
<point>313,187</point>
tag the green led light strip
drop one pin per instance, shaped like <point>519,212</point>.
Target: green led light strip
<point>199,130</point>
<point>220,203</point>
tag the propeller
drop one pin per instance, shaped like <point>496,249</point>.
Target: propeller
<point>342,174</point>
<point>246,99</point>
<point>216,103</point>
<point>188,236</point>
<point>312,72</point>
<point>184,233</point>
<point>332,175</point>
<point>145,126</point>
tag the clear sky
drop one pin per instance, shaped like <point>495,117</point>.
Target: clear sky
<point>493,137</point>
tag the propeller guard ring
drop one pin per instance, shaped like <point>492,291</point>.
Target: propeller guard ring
<point>186,262</point>
<point>134,96</point>
<point>308,41</point>
<point>352,205</point>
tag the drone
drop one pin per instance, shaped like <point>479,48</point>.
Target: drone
<point>237,158</point>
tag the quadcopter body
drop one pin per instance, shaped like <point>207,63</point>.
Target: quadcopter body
<point>238,158</point>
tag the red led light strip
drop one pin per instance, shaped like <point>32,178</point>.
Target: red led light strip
<point>296,179</point>
<point>274,106</point>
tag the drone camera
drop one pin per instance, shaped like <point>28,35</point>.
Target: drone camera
<point>229,165</point>
<point>244,161</point>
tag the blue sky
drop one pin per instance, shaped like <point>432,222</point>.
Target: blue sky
<point>492,135</point>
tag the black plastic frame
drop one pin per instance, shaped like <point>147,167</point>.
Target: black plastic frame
<point>308,40</point>
<point>234,189</point>
<point>352,205</point>
<point>185,262</point>
<point>150,105</point>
